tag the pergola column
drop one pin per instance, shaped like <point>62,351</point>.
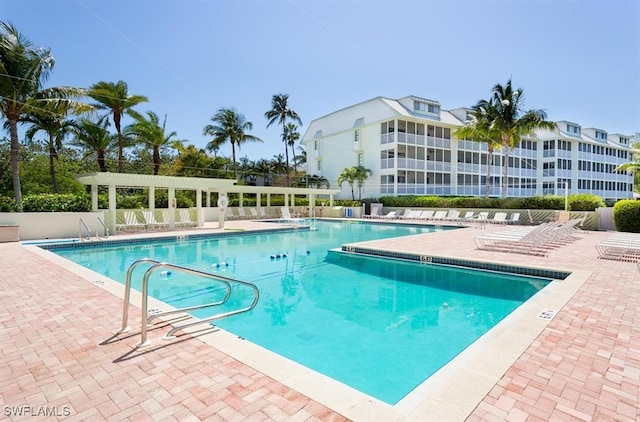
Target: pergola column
<point>200,214</point>
<point>152,198</point>
<point>94,198</point>
<point>172,208</point>
<point>112,208</point>
<point>208,199</point>
<point>240,199</point>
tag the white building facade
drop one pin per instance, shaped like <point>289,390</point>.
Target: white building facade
<point>409,146</point>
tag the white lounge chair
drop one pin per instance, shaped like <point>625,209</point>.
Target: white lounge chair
<point>499,218</point>
<point>130,222</point>
<point>426,215</point>
<point>390,215</point>
<point>254,213</point>
<point>183,219</point>
<point>373,213</point>
<point>286,215</point>
<point>151,222</point>
<point>514,218</point>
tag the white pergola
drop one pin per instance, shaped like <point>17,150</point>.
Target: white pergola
<point>200,185</point>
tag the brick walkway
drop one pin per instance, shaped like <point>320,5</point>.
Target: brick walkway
<point>584,366</point>
<point>57,353</point>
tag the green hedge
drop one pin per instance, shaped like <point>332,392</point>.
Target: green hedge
<point>56,203</point>
<point>8,204</point>
<point>626,216</point>
<point>578,202</point>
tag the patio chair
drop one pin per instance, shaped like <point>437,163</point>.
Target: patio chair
<point>514,218</point>
<point>373,213</point>
<point>413,215</point>
<point>439,216</point>
<point>130,222</point>
<point>426,215</point>
<point>254,213</point>
<point>285,214</point>
<point>390,215</point>
<point>183,219</point>
<point>151,222</point>
<point>499,218</point>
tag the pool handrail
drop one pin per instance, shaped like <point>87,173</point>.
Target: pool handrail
<point>155,265</point>
<point>127,291</point>
<point>106,230</point>
<point>81,224</point>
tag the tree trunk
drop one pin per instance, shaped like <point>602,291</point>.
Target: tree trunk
<point>116,122</point>
<point>487,183</point>
<point>505,172</point>
<point>15,159</point>
<point>156,160</point>
<point>233,155</point>
<point>286,154</point>
<point>293,156</point>
<point>101,162</point>
<point>52,168</point>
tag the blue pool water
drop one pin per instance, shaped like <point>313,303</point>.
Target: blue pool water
<point>381,326</point>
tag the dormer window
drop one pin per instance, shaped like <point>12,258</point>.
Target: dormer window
<point>624,141</point>
<point>601,135</point>
<point>424,107</point>
<point>573,129</point>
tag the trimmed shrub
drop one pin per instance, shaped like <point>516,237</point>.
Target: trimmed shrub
<point>428,202</point>
<point>585,202</point>
<point>8,204</point>
<point>626,216</point>
<point>56,203</point>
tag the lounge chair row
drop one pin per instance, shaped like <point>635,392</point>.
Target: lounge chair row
<point>620,247</point>
<point>131,220</point>
<point>241,214</point>
<point>451,215</point>
<point>532,240</point>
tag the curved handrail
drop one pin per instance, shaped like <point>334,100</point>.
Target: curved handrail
<point>81,223</point>
<point>156,265</point>
<point>106,229</point>
<point>127,291</point>
<point>256,297</point>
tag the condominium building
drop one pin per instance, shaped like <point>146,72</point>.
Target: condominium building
<point>410,148</point>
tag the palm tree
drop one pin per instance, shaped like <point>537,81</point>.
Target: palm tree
<point>24,69</point>
<point>94,138</point>
<point>511,123</point>
<point>279,113</point>
<point>229,126</point>
<point>115,98</point>
<point>302,157</point>
<point>361,174</point>
<point>291,135</point>
<point>349,175</point>
<point>479,129</point>
<point>150,132</point>
<point>57,128</point>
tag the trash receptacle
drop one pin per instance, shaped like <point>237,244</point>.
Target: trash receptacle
<point>348,212</point>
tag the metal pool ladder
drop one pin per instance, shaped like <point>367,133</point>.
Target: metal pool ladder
<point>146,319</point>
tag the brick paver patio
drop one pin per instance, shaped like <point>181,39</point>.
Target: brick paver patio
<point>59,352</point>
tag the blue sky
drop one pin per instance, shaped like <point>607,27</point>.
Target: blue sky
<point>579,60</point>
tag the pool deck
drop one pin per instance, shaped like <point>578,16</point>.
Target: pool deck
<point>60,353</point>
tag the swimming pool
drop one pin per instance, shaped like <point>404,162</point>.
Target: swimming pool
<point>381,326</point>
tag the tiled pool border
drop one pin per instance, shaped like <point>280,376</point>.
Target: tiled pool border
<point>480,265</point>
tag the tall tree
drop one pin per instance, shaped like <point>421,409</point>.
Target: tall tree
<point>191,161</point>
<point>280,113</point>
<point>149,131</point>
<point>511,122</point>
<point>292,135</point>
<point>24,69</point>
<point>361,174</point>
<point>115,98</point>
<point>56,127</point>
<point>94,138</point>
<point>229,126</point>
<point>349,175</point>
<point>479,129</point>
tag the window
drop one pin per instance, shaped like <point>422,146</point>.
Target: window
<point>356,135</point>
<point>601,135</point>
<point>573,129</point>
<point>319,165</point>
<point>315,145</point>
<point>361,159</point>
<point>419,106</point>
<point>433,109</point>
